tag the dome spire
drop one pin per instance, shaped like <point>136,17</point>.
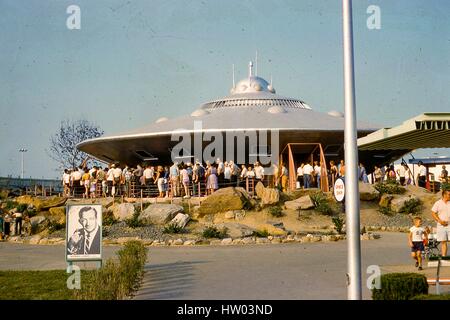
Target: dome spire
<point>250,69</point>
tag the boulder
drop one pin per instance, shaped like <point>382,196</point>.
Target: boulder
<point>268,196</point>
<point>236,230</point>
<point>180,220</point>
<point>34,239</point>
<point>367,192</point>
<point>42,203</point>
<point>57,214</point>
<point>229,215</point>
<point>123,211</point>
<point>160,213</point>
<point>225,199</point>
<point>303,203</point>
<point>226,241</point>
<point>385,200</point>
<point>38,224</point>
<point>399,201</point>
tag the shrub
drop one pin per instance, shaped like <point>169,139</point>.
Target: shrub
<point>261,233</point>
<point>11,204</point>
<point>400,286</point>
<point>30,212</point>
<point>109,219</point>
<point>431,297</point>
<point>134,222</point>
<point>389,187</point>
<point>338,224</point>
<point>412,206</point>
<point>116,279</point>
<point>172,228</point>
<point>55,226</point>
<point>445,186</point>
<point>386,211</point>
<point>276,211</point>
<point>321,204</point>
<point>22,207</point>
<point>213,232</point>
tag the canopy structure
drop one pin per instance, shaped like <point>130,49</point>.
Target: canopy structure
<point>428,130</point>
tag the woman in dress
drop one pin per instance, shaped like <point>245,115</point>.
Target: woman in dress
<point>212,182</point>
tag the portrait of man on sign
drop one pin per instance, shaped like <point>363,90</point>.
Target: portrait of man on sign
<point>84,232</point>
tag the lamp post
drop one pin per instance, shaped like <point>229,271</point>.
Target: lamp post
<point>22,151</point>
<point>351,161</point>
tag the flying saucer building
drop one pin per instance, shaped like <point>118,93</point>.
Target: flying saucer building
<point>285,127</point>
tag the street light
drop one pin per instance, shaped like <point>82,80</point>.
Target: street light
<point>22,151</point>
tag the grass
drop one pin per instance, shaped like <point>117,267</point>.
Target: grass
<point>36,285</point>
<point>213,232</point>
<point>276,211</point>
<point>172,228</point>
<point>134,221</point>
<point>117,279</point>
<point>261,233</point>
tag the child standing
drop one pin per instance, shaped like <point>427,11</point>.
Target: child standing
<point>416,235</point>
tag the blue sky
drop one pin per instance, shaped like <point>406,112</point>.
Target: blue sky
<point>135,61</point>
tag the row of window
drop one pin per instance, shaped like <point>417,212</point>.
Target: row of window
<point>256,102</point>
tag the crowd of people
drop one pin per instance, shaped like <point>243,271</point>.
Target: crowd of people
<point>188,179</point>
<point>180,179</point>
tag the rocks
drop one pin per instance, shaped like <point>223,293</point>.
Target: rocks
<point>303,203</point>
<point>178,242</point>
<point>229,215</point>
<point>248,240</point>
<point>123,211</point>
<point>42,203</point>
<point>226,241</point>
<point>58,214</point>
<point>160,213</point>
<point>262,240</point>
<point>367,192</point>
<point>268,196</point>
<point>124,240</point>
<point>399,202</point>
<point>180,220</point>
<point>236,230</point>
<point>34,239</point>
<point>189,243</point>
<point>225,199</point>
<point>38,224</point>
<point>385,200</point>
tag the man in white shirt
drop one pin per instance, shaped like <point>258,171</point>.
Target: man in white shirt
<point>300,176</point>
<point>401,171</point>
<point>259,172</point>
<point>441,214</point>
<point>422,175</point>
<point>317,172</point>
<point>110,181</point>
<point>66,182</point>
<point>307,171</point>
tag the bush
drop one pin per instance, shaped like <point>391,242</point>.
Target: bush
<point>432,297</point>
<point>173,228</point>
<point>386,211</point>
<point>261,233</point>
<point>134,222</point>
<point>338,224</point>
<point>213,232</point>
<point>321,204</point>
<point>11,204</point>
<point>30,212</point>
<point>22,207</point>
<point>400,286</point>
<point>55,226</point>
<point>445,186</point>
<point>109,219</point>
<point>276,211</point>
<point>412,206</point>
<point>389,187</point>
<point>116,279</point>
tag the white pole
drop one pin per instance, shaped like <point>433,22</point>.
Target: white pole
<point>351,161</point>
<point>22,151</point>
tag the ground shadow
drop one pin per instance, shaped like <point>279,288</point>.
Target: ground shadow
<point>167,281</point>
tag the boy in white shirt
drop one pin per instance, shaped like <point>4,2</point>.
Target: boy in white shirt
<point>416,235</point>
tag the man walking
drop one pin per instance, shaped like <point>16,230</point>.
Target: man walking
<point>441,214</point>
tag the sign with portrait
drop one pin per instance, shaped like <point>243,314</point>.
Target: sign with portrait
<point>83,232</point>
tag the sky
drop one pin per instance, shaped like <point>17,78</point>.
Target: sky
<point>132,62</point>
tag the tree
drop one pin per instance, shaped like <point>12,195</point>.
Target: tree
<point>63,143</point>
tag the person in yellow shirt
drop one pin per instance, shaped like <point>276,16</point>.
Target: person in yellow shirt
<point>85,180</point>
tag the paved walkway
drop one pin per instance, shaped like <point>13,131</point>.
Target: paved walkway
<point>286,271</point>
<point>283,271</point>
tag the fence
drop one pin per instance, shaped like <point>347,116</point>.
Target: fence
<point>36,187</point>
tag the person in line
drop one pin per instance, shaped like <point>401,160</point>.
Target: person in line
<point>300,176</point>
<point>175,179</point>
<point>184,176</point>
<point>363,174</point>
<point>284,177</point>
<point>443,178</point>
<point>317,173</point>
<point>422,180</point>
<point>259,173</point>
<point>441,214</point>
<point>17,222</point>
<point>378,174</point>
<point>417,234</point>
<point>307,172</point>
<point>212,180</point>
<point>401,173</point>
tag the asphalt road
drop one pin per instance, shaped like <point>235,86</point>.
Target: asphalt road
<point>279,271</point>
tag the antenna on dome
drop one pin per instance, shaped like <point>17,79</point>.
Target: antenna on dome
<point>271,80</point>
<point>233,76</point>
<point>250,69</point>
<point>256,64</point>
